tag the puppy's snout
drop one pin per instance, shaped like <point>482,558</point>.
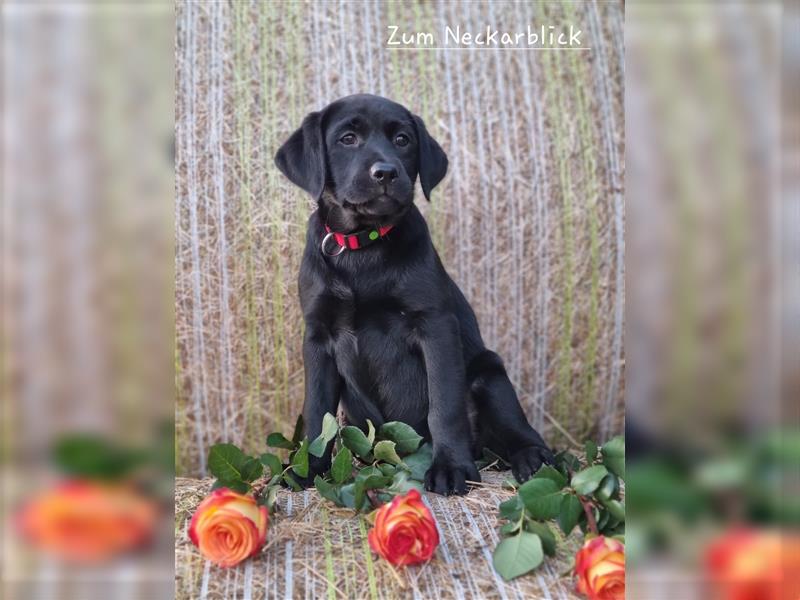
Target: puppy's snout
<point>383,173</point>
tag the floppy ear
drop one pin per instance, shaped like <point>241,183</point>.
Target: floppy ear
<point>432,161</point>
<point>302,156</point>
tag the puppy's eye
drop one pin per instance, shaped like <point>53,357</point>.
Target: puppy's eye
<point>348,139</point>
<point>401,140</point>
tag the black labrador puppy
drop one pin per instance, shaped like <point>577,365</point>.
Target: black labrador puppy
<point>388,333</point>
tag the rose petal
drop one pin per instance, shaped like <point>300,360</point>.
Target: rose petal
<point>600,567</point>
<point>229,527</point>
<point>404,531</point>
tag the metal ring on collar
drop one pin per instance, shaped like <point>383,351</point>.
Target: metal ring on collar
<point>325,241</point>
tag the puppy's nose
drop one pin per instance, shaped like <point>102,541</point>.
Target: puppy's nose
<point>383,172</point>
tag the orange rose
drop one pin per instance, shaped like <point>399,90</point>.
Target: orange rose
<point>404,532</point>
<point>747,564</point>
<point>600,567</point>
<point>228,527</point>
<point>85,521</point>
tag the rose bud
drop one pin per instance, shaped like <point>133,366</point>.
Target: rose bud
<point>228,527</point>
<point>748,564</point>
<point>404,532</point>
<point>88,522</point>
<point>600,567</point>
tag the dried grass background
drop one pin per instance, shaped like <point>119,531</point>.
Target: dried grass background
<point>529,221</point>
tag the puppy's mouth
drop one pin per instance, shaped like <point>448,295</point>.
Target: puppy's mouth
<point>377,206</point>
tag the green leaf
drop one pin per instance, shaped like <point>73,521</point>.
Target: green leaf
<point>608,487</point>
<point>509,528</point>
<point>226,461</point>
<point>370,432</point>
<point>616,509</point>
<point>242,487</point>
<point>276,440</point>
<point>402,484</point>
<point>405,438</point>
<point>613,524</point>
<point>329,430</point>
<point>548,472</point>
<point>586,481</point>
<point>373,478</point>
<point>368,482</point>
<point>369,470</point>
<point>569,512</point>
<point>385,450</point>
<point>270,496</point>
<point>567,460</point>
<point>389,470</point>
<point>419,462</point>
<point>297,436</point>
<point>94,457</point>
<point>590,448</point>
<point>354,438</point>
<point>518,555</point>
<point>327,490</point>
<point>614,447</point>
<point>545,535</point>
<point>542,498</point>
<point>292,482</point>
<point>252,469</point>
<point>300,460</point>
<point>342,465</point>
<point>614,456</point>
<point>512,508</point>
<point>317,447</point>
<point>347,496</point>
<point>272,462</point>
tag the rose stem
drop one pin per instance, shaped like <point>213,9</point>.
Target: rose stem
<point>373,498</point>
<point>587,508</point>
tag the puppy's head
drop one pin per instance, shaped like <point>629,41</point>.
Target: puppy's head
<point>362,154</point>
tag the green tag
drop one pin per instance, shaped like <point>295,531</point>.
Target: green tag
<point>373,235</point>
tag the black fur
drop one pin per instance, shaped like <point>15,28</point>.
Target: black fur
<point>388,332</point>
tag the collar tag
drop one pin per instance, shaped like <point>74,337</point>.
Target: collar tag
<point>352,241</point>
<point>325,240</point>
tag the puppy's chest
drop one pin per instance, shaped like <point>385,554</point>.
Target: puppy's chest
<point>375,315</point>
<point>368,316</point>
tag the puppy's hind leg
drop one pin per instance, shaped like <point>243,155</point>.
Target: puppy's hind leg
<point>503,426</point>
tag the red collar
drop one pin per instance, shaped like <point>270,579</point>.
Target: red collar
<point>352,241</point>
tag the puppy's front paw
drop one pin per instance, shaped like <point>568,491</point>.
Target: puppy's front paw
<point>526,461</point>
<point>447,476</point>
